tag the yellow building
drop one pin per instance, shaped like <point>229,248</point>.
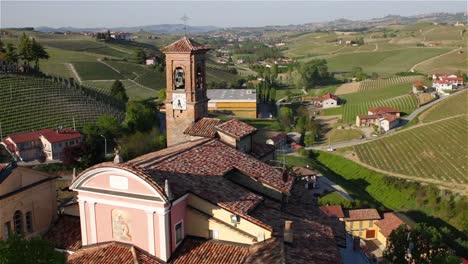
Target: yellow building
<point>362,223</point>
<point>389,223</point>
<point>236,102</point>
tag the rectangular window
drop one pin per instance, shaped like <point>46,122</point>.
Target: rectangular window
<point>7,230</point>
<point>179,233</point>
<point>29,222</point>
<point>361,224</point>
<point>214,234</point>
<point>371,223</point>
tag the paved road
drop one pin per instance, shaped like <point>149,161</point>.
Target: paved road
<point>361,141</point>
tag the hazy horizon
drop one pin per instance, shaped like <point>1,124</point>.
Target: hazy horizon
<point>107,14</point>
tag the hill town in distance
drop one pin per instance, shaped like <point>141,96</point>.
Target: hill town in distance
<point>194,139</point>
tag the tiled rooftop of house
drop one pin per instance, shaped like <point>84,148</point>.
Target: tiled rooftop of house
<point>260,150</point>
<point>204,127</point>
<point>112,253</point>
<point>313,241</point>
<point>232,94</point>
<point>361,214</point>
<point>383,109</point>
<point>236,128</point>
<point>332,210</point>
<point>389,222</point>
<point>52,136</point>
<point>301,171</point>
<point>59,136</point>
<point>184,45</point>
<point>196,250</point>
<point>65,233</point>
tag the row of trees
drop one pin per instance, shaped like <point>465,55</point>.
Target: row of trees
<point>28,50</point>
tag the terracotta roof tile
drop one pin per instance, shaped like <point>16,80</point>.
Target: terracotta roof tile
<point>197,250</point>
<point>185,45</point>
<point>383,109</point>
<point>389,223</point>
<point>236,128</point>
<point>362,214</point>
<point>59,136</point>
<point>51,135</point>
<point>314,240</point>
<point>204,127</point>
<point>332,210</point>
<point>27,136</point>
<point>260,150</point>
<point>301,171</point>
<point>66,233</point>
<point>112,253</point>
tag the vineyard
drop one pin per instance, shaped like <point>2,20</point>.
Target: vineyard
<point>35,103</point>
<point>404,103</point>
<point>89,46</point>
<point>141,74</point>
<point>384,83</point>
<point>393,92</point>
<point>457,105</point>
<point>94,70</point>
<point>436,151</point>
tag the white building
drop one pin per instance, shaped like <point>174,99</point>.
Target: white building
<point>151,61</point>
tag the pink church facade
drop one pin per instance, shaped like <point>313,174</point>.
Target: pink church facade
<point>117,205</point>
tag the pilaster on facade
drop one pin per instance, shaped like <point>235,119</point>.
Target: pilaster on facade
<point>151,238</point>
<point>84,235</point>
<point>164,233</point>
<point>92,219</point>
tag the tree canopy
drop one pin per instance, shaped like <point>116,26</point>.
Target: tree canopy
<point>118,91</point>
<point>422,244</point>
<point>36,250</point>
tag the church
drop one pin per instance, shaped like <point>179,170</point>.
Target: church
<point>209,197</point>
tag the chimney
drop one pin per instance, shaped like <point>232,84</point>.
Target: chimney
<point>288,232</point>
<point>167,190</point>
<point>118,159</point>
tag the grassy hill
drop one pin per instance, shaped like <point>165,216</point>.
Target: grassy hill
<point>432,151</point>
<point>28,103</point>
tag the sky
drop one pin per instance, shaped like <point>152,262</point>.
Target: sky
<point>82,14</point>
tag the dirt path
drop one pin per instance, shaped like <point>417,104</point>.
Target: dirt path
<point>348,88</point>
<point>438,56</point>
<point>75,73</point>
<point>122,50</point>
<point>454,187</point>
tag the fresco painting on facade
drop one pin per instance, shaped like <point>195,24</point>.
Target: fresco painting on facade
<point>121,225</point>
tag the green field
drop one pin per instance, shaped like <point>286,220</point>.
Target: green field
<point>452,62</point>
<point>29,104</point>
<point>457,105</point>
<point>143,75</point>
<point>384,63</point>
<point>58,63</point>
<point>88,46</point>
<point>94,70</point>
<point>134,91</point>
<point>434,151</point>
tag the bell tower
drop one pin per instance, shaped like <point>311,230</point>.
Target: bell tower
<point>186,100</point>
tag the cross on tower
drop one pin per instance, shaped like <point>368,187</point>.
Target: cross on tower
<point>185,18</point>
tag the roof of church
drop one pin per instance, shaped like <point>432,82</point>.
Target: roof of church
<point>111,253</point>
<point>196,250</point>
<point>65,233</point>
<point>204,127</point>
<point>184,45</point>
<point>236,128</point>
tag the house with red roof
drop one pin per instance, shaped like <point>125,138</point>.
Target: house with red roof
<point>45,144</point>
<point>326,101</point>
<point>207,198</point>
<point>389,222</point>
<point>445,82</point>
<point>384,117</point>
<point>362,222</point>
<point>419,87</point>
